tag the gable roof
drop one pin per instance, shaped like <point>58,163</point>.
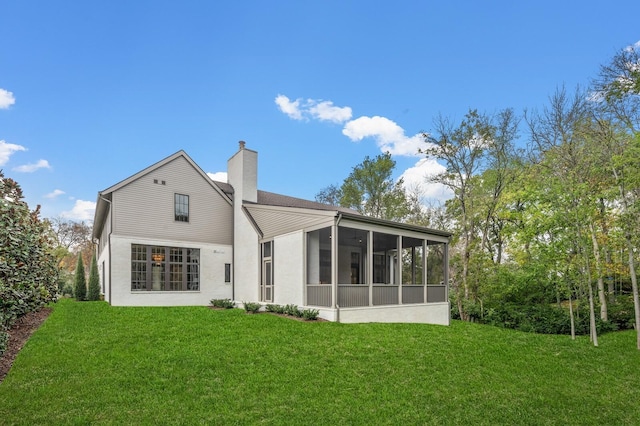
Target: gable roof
<point>104,196</point>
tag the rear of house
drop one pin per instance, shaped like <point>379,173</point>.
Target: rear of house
<point>169,235</point>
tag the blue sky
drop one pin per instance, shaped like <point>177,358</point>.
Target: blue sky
<point>93,92</point>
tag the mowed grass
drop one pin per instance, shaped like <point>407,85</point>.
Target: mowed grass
<point>91,363</point>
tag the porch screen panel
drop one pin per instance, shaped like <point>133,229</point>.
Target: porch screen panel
<point>412,261</point>
<point>352,256</point>
<point>436,285</point>
<point>319,256</point>
<point>435,263</point>
<point>385,258</point>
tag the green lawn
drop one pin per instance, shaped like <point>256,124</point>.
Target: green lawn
<point>91,363</point>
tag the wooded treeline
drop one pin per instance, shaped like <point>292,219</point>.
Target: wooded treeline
<point>546,237</point>
<point>545,207</point>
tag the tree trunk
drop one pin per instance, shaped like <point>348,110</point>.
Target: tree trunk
<point>611,289</point>
<point>634,286</point>
<point>592,313</point>
<point>604,316</point>
<point>573,322</point>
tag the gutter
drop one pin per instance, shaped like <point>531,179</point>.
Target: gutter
<point>109,243</point>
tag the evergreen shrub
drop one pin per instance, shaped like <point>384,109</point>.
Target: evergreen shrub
<point>223,303</point>
<point>94,281</point>
<point>80,289</point>
<point>252,307</point>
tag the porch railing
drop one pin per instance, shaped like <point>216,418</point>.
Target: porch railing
<point>352,295</point>
<point>436,293</point>
<point>385,294</point>
<point>319,295</point>
<point>412,294</point>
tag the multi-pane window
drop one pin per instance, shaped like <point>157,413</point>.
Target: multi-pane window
<point>181,203</point>
<point>138,267</point>
<point>157,268</point>
<point>175,269</point>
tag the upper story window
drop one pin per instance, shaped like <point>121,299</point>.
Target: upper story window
<point>181,203</point>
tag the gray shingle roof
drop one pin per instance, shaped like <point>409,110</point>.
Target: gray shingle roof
<point>273,199</point>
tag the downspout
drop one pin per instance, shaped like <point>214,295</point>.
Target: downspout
<point>233,252</point>
<point>336,266</point>
<point>109,243</point>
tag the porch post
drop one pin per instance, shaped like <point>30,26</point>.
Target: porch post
<point>370,265</point>
<point>425,247</point>
<point>446,271</point>
<point>399,271</point>
<point>334,265</point>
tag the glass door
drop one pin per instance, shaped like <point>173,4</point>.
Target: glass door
<point>266,283</point>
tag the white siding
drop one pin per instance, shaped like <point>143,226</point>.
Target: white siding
<point>432,313</point>
<point>212,286</point>
<point>288,269</point>
<point>242,174</point>
<point>277,221</point>
<point>146,209</point>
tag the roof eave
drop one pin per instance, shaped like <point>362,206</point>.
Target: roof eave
<point>392,224</point>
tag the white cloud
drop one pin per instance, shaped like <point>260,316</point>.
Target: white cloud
<point>30,168</point>
<point>81,211</point>
<point>633,47</point>
<point>218,176</point>
<point>6,99</point>
<point>55,194</point>
<point>388,135</point>
<point>292,109</point>
<point>6,149</point>
<point>326,111</point>
<point>313,109</point>
<point>416,177</point>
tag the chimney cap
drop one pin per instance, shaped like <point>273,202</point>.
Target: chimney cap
<point>242,144</point>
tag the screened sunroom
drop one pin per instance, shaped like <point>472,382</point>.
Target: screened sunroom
<point>365,263</point>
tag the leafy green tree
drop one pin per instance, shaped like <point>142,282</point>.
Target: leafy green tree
<point>80,289</point>
<point>94,280</point>
<point>617,88</point>
<point>28,269</point>
<point>477,155</point>
<point>568,161</point>
<point>371,190</point>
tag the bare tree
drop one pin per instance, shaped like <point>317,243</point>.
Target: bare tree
<point>70,234</point>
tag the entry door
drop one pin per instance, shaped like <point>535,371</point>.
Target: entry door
<point>267,281</point>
